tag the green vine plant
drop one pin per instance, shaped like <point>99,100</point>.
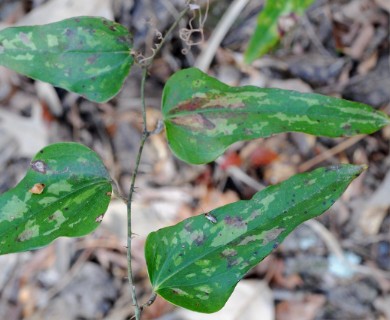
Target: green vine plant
<point>198,262</point>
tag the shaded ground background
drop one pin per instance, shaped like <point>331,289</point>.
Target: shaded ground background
<point>339,48</point>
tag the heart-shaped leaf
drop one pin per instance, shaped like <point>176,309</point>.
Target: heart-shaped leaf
<point>86,55</point>
<point>276,18</point>
<point>197,263</point>
<point>204,116</point>
<point>65,192</point>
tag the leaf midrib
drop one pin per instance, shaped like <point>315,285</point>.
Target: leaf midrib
<point>183,114</point>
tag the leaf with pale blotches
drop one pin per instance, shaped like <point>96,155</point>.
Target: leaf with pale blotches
<point>65,192</point>
<point>204,116</point>
<point>197,263</point>
<point>87,55</point>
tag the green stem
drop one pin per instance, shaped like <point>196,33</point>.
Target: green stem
<point>145,135</point>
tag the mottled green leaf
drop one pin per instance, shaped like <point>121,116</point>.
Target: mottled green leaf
<point>197,263</point>
<point>65,192</point>
<point>86,55</point>
<point>203,116</point>
<point>273,21</point>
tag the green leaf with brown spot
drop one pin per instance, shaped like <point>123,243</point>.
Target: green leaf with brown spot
<point>204,116</point>
<point>87,55</point>
<point>276,18</point>
<point>65,192</point>
<point>197,263</point>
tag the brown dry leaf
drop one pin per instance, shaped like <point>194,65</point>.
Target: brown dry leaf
<point>41,260</point>
<point>56,10</point>
<point>307,309</point>
<point>209,199</point>
<point>164,171</point>
<point>215,198</point>
<point>362,41</point>
<point>31,133</point>
<point>279,171</point>
<point>262,156</point>
<point>304,142</point>
<point>368,64</point>
<point>290,84</point>
<point>161,69</point>
<point>383,305</point>
<point>385,5</point>
<point>8,79</point>
<point>250,147</point>
<point>85,293</point>
<point>230,159</point>
<point>257,153</point>
<point>146,217</point>
<point>28,299</point>
<point>355,28</point>
<point>277,154</point>
<point>254,76</point>
<point>9,149</point>
<point>360,11</point>
<point>229,74</point>
<point>49,98</point>
<point>28,295</point>
<point>375,210</point>
<point>11,12</point>
<point>107,258</point>
<point>251,299</point>
<point>386,133</point>
<point>288,282</point>
<point>314,69</point>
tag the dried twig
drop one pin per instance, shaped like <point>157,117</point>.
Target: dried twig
<point>205,58</point>
<point>330,153</point>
